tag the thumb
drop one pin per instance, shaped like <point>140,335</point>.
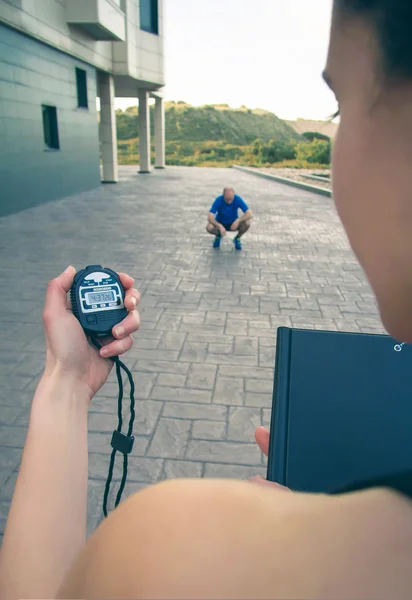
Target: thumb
<point>56,296</point>
<point>262,437</point>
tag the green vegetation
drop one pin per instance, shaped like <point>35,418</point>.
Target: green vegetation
<point>314,135</point>
<point>220,136</point>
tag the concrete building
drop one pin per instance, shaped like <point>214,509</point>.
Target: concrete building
<point>56,58</point>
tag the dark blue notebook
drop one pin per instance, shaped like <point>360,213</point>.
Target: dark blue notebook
<point>342,409</point>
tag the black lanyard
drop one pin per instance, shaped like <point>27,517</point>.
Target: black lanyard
<point>121,442</point>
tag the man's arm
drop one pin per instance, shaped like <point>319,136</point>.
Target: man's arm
<point>247,213</point>
<point>246,216</point>
<point>212,220</point>
<point>211,217</point>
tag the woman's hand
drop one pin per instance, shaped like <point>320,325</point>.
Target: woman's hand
<point>262,439</point>
<point>69,353</point>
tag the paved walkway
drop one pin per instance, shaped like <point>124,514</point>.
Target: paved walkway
<point>203,361</point>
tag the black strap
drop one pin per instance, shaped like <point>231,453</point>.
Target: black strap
<point>120,441</point>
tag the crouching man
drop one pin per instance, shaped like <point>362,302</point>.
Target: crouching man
<point>224,216</point>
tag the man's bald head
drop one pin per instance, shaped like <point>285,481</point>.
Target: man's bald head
<point>228,194</point>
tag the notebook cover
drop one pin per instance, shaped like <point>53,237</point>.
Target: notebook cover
<point>342,409</point>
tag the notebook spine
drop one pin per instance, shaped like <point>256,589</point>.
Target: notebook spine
<point>277,458</point>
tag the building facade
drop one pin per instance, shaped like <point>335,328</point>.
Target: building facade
<point>56,58</point>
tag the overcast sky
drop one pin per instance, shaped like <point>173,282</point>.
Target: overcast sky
<point>262,53</point>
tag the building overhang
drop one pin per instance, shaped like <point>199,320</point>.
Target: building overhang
<point>128,87</point>
<point>102,19</point>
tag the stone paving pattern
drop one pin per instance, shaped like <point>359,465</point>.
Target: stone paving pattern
<point>203,360</point>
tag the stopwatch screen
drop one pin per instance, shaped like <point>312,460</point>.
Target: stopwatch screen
<point>99,297</point>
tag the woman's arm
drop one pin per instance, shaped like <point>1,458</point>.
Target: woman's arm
<point>46,526</point>
<point>47,521</point>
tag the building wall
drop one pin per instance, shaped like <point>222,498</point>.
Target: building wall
<point>32,74</point>
<point>46,21</point>
<point>139,57</point>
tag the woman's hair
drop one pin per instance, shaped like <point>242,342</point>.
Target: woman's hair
<point>392,20</point>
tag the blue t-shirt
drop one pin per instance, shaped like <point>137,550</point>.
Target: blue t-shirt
<point>227,213</point>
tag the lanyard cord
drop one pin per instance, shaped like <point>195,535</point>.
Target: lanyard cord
<point>120,441</point>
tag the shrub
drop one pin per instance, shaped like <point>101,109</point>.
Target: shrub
<point>276,151</point>
<point>317,151</point>
<point>314,135</point>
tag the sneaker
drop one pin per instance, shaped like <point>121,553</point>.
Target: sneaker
<point>238,243</point>
<point>216,243</point>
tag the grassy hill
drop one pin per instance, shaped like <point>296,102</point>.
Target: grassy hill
<point>236,126</point>
<point>186,123</point>
<point>217,135</point>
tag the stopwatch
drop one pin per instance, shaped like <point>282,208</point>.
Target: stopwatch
<point>97,300</point>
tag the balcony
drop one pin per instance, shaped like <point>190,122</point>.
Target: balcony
<point>102,19</point>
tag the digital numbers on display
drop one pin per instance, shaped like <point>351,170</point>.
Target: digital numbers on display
<point>100,297</point>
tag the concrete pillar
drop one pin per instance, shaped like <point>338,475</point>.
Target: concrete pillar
<point>144,131</point>
<point>108,134</point>
<point>160,133</point>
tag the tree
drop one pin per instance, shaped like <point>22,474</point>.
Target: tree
<point>315,135</point>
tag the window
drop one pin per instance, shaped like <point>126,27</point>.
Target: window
<point>50,128</point>
<point>149,17</point>
<point>81,82</point>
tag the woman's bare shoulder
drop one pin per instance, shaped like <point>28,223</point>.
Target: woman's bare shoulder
<point>225,538</point>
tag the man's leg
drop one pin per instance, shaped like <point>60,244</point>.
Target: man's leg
<point>243,227</point>
<point>241,230</point>
<point>214,230</point>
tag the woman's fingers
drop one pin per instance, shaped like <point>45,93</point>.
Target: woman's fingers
<point>262,436</point>
<point>132,299</point>
<point>117,347</point>
<point>262,439</point>
<point>122,332</point>
<point>126,281</point>
<point>128,326</point>
<point>273,484</point>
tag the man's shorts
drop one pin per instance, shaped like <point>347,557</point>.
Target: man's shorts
<point>227,226</point>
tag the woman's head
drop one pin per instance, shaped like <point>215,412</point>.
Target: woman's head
<point>369,68</point>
